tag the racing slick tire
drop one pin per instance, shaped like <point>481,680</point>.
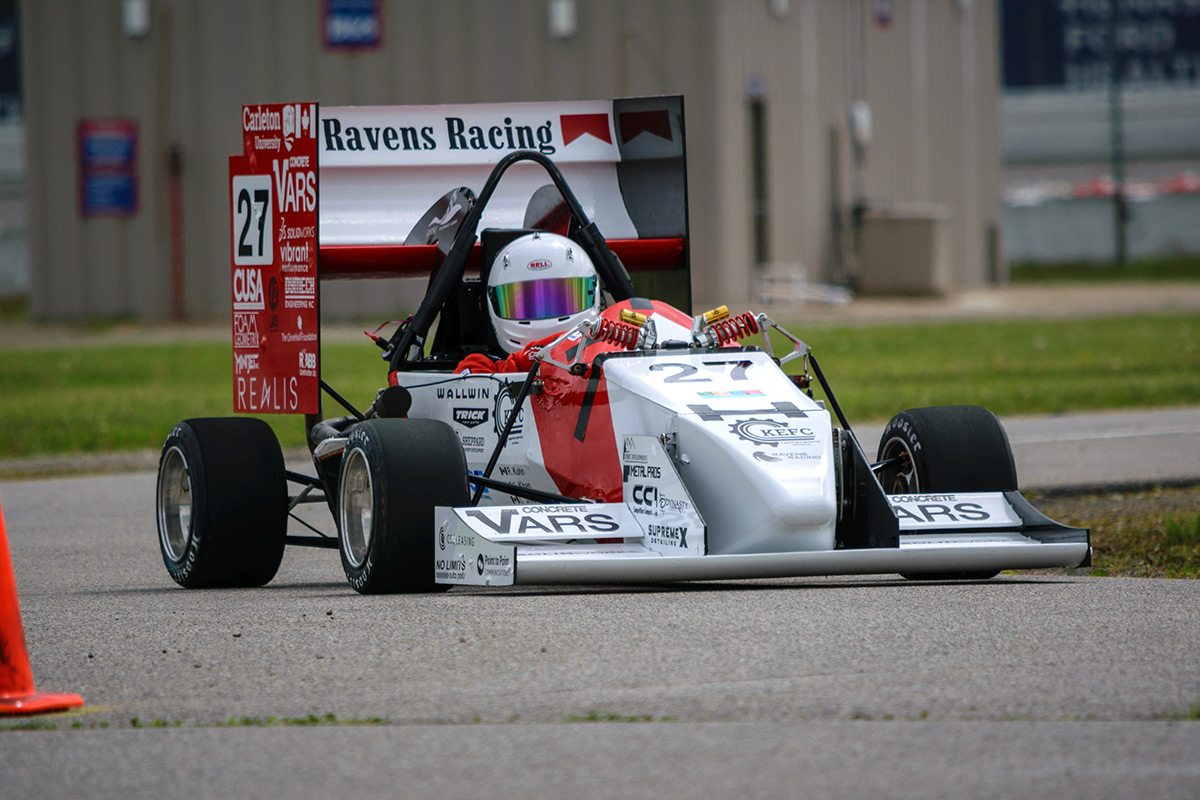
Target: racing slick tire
<point>394,472</point>
<point>946,449</point>
<point>222,503</point>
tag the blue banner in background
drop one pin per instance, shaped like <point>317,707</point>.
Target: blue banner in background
<point>352,24</point>
<point>10,64</point>
<point>108,175</point>
<point>1066,43</point>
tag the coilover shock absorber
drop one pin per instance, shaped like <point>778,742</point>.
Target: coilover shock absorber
<point>728,331</point>
<point>717,329</point>
<point>631,332</point>
<point>621,334</point>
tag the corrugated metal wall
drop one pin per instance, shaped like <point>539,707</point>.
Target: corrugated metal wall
<point>930,77</point>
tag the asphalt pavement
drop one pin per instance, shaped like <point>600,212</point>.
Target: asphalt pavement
<point>850,687</point>
<point>854,687</point>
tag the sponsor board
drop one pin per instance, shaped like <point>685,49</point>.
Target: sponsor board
<point>273,221</point>
<point>985,510</point>
<point>658,500</point>
<point>464,557</point>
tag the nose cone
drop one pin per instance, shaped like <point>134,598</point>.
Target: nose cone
<point>762,483</point>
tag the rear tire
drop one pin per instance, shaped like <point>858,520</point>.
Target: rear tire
<point>945,449</point>
<point>222,503</point>
<point>394,472</point>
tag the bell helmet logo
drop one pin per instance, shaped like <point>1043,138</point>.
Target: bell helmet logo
<point>771,433</point>
<point>540,264</point>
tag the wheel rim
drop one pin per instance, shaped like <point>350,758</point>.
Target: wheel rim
<point>175,504</point>
<point>901,477</point>
<point>355,508</point>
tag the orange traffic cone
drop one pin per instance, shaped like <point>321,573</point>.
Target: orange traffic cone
<point>17,695</point>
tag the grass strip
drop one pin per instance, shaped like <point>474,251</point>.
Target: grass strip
<point>1174,267</point>
<point>1150,534</point>
<point>127,397</point>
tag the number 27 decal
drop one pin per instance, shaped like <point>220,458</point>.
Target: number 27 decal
<point>737,371</point>
<point>253,234</point>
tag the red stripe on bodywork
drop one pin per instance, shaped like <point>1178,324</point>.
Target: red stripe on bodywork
<point>590,468</point>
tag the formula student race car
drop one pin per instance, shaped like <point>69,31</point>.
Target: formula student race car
<point>647,445</point>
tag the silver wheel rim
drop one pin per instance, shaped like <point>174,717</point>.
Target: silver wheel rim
<point>175,504</point>
<point>355,508</point>
<point>901,479</point>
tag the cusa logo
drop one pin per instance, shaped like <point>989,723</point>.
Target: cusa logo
<point>247,290</point>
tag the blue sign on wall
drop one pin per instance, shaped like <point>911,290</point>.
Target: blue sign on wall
<point>1067,43</point>
<point>108,177</point>
<point>352,24</point>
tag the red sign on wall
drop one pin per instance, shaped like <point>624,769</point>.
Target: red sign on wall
<point>273,217</point>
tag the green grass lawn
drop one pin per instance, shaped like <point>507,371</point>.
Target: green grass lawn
<point>94,399</point>
<point>1178,267</point>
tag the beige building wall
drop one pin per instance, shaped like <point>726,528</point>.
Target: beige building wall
<point>930,78</point>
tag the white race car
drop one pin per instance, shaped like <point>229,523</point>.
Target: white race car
<point>649,445</point>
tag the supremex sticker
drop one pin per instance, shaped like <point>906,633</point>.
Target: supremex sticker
<point>984,510</point>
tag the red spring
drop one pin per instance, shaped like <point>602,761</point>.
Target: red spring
<point>619,333</point>
<point>730,330</point>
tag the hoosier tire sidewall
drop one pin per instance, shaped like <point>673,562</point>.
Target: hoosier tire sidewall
<point>239,503</point>
<point>414,465</point>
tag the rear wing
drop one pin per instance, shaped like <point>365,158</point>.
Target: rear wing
<point>353,192</point>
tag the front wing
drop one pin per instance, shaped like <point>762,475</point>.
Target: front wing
<point>608,543</point>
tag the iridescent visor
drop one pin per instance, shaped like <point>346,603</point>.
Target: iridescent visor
<point>544,299</point>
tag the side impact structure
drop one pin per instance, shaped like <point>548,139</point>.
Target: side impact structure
<point>17,693</point>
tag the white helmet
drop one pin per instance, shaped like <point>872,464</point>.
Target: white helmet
<point>540,284</point>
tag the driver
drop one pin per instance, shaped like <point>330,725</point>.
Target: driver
<point>540,286</point>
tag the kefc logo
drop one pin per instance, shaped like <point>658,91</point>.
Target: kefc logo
<point>770,432</point>
<point>247,290</point>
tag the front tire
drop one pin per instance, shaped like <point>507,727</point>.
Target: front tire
<point>942,450</point>
<point>221,503</point>
<point>394,472</point>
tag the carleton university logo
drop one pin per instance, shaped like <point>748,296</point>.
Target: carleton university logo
<point>771,433</point>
